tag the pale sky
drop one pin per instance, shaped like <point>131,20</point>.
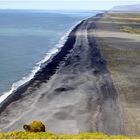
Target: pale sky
<point>64,4</point>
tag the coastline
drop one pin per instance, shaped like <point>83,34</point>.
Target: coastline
<point>77,76</point>
<point>84,93</point>
<point>38,68</point>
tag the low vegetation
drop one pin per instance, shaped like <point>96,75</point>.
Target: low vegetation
<point>36,130</point>
<point>35,126</point>
<point>125,15</point>
<point>47,135</point>
<point>128,29</point>
<point>122,53</point>
<point>132,18</point>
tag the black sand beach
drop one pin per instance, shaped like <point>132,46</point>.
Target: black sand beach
<point>73,93</point>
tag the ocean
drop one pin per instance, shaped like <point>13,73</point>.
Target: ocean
<point>29,38</point>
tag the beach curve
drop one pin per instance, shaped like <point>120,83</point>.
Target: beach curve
<point>71,94</point>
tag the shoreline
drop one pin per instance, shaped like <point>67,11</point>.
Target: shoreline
<point>88,92</point>
<point>38,66</point>
<point>76,80</point>
<point>50,64</point>
<point>28,80</point>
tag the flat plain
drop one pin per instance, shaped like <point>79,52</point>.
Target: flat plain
<point>118,36</point>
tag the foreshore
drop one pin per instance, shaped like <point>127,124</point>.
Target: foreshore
<point>73,93</point>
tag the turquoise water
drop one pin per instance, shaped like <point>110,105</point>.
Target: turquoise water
<point>25,38</point>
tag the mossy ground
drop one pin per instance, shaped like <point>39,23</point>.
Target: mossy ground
<point>129,23</point>
<point>121,61</point>
<point>47,135</point>
<point>122,54</point>
<point>129,29</point>
<point>123,17</point>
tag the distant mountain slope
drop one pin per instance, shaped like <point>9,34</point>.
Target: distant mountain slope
<point>126,8</point>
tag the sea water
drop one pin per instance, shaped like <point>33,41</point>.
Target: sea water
<point>28,38</point>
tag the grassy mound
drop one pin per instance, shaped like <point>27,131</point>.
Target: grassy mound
<point>35,126</point>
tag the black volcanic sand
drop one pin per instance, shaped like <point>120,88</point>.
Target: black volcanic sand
<point>73,93</point>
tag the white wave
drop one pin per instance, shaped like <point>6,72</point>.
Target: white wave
<point>48,57</point>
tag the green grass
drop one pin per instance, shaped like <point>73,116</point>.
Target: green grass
<point>124,15</point>
<point>129,29</point>
<point>47,135</point>
<point>34,131</point>
<point>121,17</point>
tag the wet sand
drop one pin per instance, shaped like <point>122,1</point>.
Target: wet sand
<point>73,93</point>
